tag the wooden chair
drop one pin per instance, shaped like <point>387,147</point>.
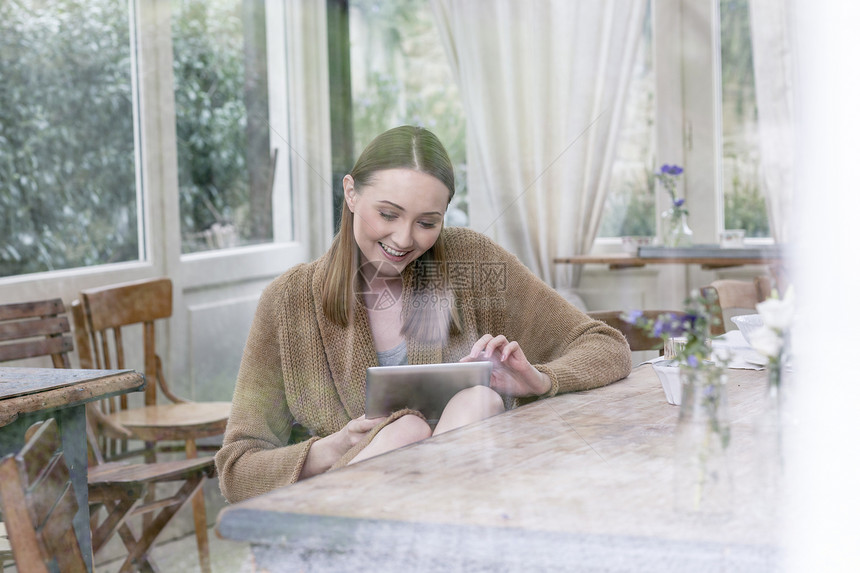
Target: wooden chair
<point>101,316</point>
<point>41,328</point>
<point>637,338</point>
<point>734,297</point>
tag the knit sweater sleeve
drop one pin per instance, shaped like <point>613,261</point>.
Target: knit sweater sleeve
<point>574,350</point>
<point>256,456</point>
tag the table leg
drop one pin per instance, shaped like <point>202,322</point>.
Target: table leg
<point>71,423</point>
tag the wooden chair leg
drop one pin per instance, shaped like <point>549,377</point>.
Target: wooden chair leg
<point>136,564</point>
<point>117,514</point>
<point>149,497</point>
<point>139,548</point>
<point>198,505</point>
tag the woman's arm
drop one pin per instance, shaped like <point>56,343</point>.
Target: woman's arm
<point>573,350</point>
<point>256,456</point>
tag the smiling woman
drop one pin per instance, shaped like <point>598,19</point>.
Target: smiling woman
<point>396,287</point>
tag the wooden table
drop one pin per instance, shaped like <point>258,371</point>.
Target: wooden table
<point>29,395</point>
<point>626,261</point>
<point>578,482</point>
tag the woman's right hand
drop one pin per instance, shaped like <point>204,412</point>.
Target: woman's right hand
<point>324,453</point>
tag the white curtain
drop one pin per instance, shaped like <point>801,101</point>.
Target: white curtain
<point>774,60</point>
<point>543,84</point>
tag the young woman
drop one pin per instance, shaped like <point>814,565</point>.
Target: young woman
<point>396,287</point>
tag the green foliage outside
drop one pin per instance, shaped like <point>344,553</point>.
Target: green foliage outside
<point>743,201</point>
<point>406,80</point>
<point>212,120</point>
<point>67,171</point>
<point>68,189</point>
<point>745,208</point>
<point>629,208</point>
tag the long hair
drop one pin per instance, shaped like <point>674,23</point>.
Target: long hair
<point>405,147</point>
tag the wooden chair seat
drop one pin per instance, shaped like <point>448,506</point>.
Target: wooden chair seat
<point>122,473</point>
<point>183,421</point>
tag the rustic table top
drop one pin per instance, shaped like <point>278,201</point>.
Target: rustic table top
<point>24,390</point>
<point>590,469</point>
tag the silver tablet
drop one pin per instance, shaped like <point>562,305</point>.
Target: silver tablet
<point>423,387</point>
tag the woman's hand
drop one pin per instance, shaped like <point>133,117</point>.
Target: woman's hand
<point>513,374</point>
<point>355,431</point>
<point>324,453</point>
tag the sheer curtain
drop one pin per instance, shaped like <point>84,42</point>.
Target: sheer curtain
<point>543,85</point>
<point>773,23</point>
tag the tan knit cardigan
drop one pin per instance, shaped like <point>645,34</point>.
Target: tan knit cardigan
<point>299,366</point>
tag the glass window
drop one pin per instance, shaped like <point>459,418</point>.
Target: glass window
<point>400,75</point>
<point>68,193</point>
<point>222,123</point>
<point>743,201</point>
<point>629,207</point>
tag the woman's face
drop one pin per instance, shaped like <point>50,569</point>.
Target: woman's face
<point>397,217</point>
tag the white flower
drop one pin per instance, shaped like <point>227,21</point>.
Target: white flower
<point>766,341</point>
<point>778,314</point>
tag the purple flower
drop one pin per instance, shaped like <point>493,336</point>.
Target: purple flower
<point>668,325</point>
<point>692,361</point>
<point>671,169</point>
<point>632,316</point>
<point>678,202</point>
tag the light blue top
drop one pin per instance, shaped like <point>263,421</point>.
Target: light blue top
<point>394,357</point>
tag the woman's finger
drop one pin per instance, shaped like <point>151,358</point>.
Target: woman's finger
<point>495,343</point>
<point>479,345</point>
<point>510,349</point>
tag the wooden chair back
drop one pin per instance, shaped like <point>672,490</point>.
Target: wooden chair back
<point>734,297</point>
<point>33,329</point>
<point>636,337</point>
<point>103,314</point>
<point>39,503</point>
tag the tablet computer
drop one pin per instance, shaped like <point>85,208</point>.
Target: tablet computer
<point>423,387</point>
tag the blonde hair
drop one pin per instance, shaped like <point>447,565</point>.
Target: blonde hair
<point>404,147</point>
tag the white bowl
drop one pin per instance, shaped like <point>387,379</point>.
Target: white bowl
<point>748,323</point>
<point>631,244</point>
<point>670,377</point>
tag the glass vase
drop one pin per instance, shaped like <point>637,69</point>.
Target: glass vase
<point>769,453</point>
<point>674,229</point>
<point>703,480</point>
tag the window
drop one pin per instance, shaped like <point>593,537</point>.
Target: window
<point>629,207</point>
<point>743,201</point>
<point>630,204</point>
<point>400,75</point>
<point>68,182</point>
<point>222,127</point>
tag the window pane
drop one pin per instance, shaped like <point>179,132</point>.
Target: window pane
<point>629,207</point>
<point>222,131</point>
<point>67,148</point>
<point>743,202</point>
<point>400,75</point>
